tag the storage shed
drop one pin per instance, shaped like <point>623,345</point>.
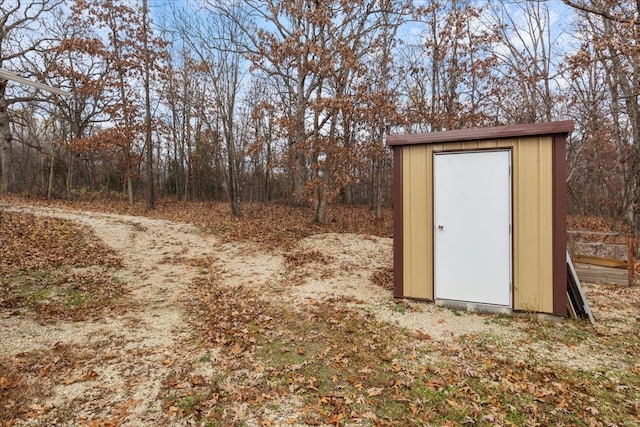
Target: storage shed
<point>480,217</point>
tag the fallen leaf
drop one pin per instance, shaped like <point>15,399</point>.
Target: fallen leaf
<point>375,391</point>
<point>370,416</point>
<point>197,380</point>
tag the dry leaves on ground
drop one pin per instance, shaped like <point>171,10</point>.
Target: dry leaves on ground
<point>300,345</point>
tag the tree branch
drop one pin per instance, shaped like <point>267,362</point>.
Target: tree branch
<point>602,12</point>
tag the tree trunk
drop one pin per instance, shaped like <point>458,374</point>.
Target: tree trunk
<point>299,156</point>
<point>299,176</point>
<point>130,189</point>
<point>69,175</point>
<point>187,173</point>
<point>267,166</point>
<point>320,188</point>
<point>5,141</point>
<point>233,190</point>
<point>151,198</point>
<point>378,195</point>
<point>320,204</point>
<point>51,169</point>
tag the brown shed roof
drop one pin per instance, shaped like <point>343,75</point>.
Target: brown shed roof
<point>496,132</point>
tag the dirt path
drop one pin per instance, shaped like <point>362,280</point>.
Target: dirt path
<point>130,353</point>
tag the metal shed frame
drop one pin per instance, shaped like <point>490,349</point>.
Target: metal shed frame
<point>557,131</point>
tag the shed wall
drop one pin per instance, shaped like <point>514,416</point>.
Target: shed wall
<point>532,218</point>
<point>417,220</point>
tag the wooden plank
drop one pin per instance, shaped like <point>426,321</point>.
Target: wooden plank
<point>617,245</point>
<point>604,262</point>
<point>595,233</point>
<point>600,279</point>
<point>576,297</point>
<point>601,269</point>
<point>601,275</point>
<point>595,277</point>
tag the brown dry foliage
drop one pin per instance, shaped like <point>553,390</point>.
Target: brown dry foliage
<point>595,223</point>
<point>30,242</point>
<point>273,225</point>
<point>61,365</point>
<point>383,277</point>
<point>39,258</point>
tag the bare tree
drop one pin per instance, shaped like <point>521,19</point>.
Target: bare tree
<point>611,33</point>
<point>526,52</point>
<point>20,36</point>
<point>80,64</point>
<point>211,38</point>
<point>181,95</point>
<point>313,52</point>
<point>148,143</point>
<point>385,93</point>
<point>450,70</point>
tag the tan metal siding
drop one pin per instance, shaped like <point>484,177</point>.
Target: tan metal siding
<point>533,234</point>
<point>532,218</point>
<point>417,233</point>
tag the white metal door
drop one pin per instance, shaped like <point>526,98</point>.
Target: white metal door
<point>472,227</point>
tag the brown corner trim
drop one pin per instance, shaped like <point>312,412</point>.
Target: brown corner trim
<point>398,238</point>
<point>559,220</point>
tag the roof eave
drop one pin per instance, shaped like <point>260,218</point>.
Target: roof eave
<point>495,132</point>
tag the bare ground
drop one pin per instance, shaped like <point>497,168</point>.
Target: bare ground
<point>127,357</point>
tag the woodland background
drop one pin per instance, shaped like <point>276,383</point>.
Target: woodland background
<point>289,101</point>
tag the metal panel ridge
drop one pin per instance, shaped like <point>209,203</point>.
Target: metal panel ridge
<point>495,132</point>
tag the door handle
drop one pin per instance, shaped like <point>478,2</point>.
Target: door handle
<point>440,227</point>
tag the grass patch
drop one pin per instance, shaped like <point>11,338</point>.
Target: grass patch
<point>344,367</point>
<point>52,269</point>
<point>340,362</point>
<point>62,294</point>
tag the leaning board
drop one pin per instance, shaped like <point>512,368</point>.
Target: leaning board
<point>578,304</point>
